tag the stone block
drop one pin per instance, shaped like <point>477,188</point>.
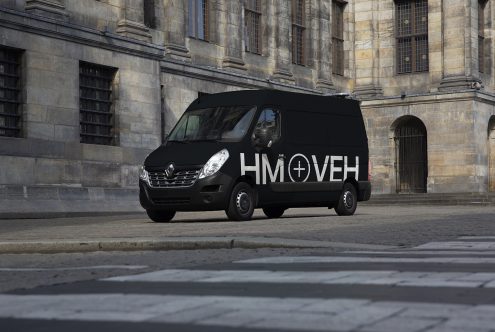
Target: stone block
<point>98,174</point>
<point>40,130</point>
<point>66,133</point>
<point>70,194</point>
<point>17,170</point>
<point>49,171</point>
<point>105,153</point>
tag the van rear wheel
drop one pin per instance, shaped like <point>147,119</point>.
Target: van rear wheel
<point>241,203</point>
<point>160,216</point>
<point>348,201</point>
<point>273,212</point>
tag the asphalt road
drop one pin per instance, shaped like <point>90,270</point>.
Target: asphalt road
<point>381,225</point>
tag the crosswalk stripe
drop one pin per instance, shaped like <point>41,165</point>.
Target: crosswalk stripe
<point>465,245</point>
<point>476,238</point>
<point>74,268</point>
<point>315,314</point>
<point>390,278</point>
<point>357,259</point>
<point>410,252</point>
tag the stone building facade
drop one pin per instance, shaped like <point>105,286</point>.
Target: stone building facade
<point>88,88</point>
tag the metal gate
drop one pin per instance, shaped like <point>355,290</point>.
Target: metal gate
<point>411,167</point>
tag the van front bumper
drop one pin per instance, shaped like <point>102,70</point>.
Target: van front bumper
<point>208,194</point>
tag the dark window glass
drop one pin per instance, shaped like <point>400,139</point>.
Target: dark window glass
<point>212,124</point>
<point>95,103</point>
<point>198,19</point>
<point>412,36</point>
<point>252,16</point>
<point>298,31</point>
<point>149,13</point>
<point>269,120</point>
<point>10,87</point>
<point>338,37</point>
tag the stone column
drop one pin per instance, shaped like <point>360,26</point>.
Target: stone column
<point>231,22</point>
<point>282,47</point>
<point>49,8</point>
<point>175,14</point>
<point>460,50</point>
<point>323,45</point>
<point>131,23</point>
<point>367,49</point>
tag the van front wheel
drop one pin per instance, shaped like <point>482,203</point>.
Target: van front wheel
<point>273,212</point>
<point>160,216</point>
<point>241,203</point>
<point>348,201</point>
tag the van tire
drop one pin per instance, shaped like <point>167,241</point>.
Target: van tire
<point>273,212</point>
<point>241,202</point>
<point>348,201</point>
<point>160,215</point>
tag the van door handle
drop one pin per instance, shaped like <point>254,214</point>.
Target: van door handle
<point>281,156</point>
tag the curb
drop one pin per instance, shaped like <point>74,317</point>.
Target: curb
<point>172,243</point>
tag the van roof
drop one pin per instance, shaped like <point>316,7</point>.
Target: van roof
<point>287,100</point>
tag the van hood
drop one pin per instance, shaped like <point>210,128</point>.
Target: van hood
<point>181,154</point>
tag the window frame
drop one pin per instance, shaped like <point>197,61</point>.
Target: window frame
<point>338,38</point>
<point>149,15</point>
<point>253,23</point>
<point>7,130</point>
<point>413,38</point>
<point>481,35</point>
<point>298,28</point>
<point>195,21</point>
<point>87,137</point>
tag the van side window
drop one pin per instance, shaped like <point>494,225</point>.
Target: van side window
<point>270,120</point>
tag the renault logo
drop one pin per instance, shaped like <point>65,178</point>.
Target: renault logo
<point>169,171</point>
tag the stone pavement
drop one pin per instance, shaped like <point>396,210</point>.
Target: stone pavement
<point>436,287</point>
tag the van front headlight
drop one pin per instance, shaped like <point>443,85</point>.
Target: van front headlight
<point>214,163</point>
<point>143,174</point>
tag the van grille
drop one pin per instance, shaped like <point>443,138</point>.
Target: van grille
<point>182,178</point>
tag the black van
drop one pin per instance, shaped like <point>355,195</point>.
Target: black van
<point>237,151</point>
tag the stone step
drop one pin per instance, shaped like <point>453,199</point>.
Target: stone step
<point>432,199</point>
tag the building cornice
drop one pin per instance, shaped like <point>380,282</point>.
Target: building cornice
<point>430,98</point>
<point>59,29</point>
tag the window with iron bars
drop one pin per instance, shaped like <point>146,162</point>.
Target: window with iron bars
<point>298,31</point>
<point>198,19</point>
<point>96,115</point>
<point>10,92</point>
<point>412,36</point>
<point>149,13</point>
<point>252,16</point>
<point>338,37</point>
<point>481,35</point>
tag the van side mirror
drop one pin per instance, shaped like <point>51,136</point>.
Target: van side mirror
<point>263,137</point>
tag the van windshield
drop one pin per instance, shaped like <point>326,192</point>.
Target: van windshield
<point>213,124</point>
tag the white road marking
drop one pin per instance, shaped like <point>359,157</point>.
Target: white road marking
<point>358,259</point>
<point>451,253</point>
<point>477,238</point>
<point>250,312</point>
<point>389,278</point>
<point>74,268</point>
<point>464,245</point>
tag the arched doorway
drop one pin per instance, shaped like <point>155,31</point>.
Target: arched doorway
<point>411,160</point>
<point>491,154</point>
